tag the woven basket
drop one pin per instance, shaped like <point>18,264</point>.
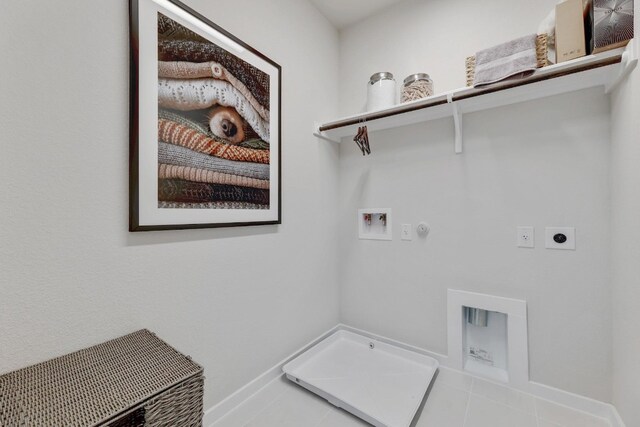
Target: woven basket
<point>134,381</point>
<point>542,52</point>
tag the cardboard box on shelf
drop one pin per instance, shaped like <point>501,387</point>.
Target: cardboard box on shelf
<point>570,34</point>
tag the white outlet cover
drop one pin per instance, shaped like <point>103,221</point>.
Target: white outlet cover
<point>569,233</point>
<point>526,237</point>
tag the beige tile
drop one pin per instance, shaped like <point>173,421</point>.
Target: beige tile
<point>339,418</point>
<point>545,423</point>
<point>445,406</point>
<point>294,408</point>
<point>567,417</point>
<point>254,404</point>
<point>483,412</point>
<point>507,396</point>
<point>456,400</point>
<point>454,379</point>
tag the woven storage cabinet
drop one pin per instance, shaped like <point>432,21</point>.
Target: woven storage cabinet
<point>542,54</point>
<point>136,380</point>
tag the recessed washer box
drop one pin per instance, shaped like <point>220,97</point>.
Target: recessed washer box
<point>375,224</point>
<point>378,382</point>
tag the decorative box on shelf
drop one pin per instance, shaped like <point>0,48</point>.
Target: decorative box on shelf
<point>133,381</point>
<point>612,24</point>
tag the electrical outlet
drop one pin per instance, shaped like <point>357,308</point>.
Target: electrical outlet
<point>407,232</point>
<point>560,238</point>
<point>526,237</point>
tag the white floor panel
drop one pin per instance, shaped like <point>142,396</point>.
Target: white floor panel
<point>378,382</point>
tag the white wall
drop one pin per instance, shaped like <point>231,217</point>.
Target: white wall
<point>543,163</point>
<point>625,108</point>
<point>237,300</point>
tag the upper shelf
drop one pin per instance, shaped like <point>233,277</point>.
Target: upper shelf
<point>606,69</point>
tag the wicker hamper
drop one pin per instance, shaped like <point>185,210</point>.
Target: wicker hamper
<point>542,52</point>
<point>135,380</point>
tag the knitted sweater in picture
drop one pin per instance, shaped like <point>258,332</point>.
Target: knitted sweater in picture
<point>177,134</point>
<point>200,175</point>
<point>198,125</point>
<point>168,29</point>
<point>179,156</point>
<point>197,94</point>
<point>212,205</point>
<point>177,190</point>
<point>195,51</point>
<point>193,70</point>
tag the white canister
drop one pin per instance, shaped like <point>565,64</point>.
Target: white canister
<point>381,91</point>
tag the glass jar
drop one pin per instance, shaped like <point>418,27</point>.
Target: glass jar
<point>381,91</point>
<point>416,86</point>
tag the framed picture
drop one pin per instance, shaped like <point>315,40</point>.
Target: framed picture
<point>205,124</point>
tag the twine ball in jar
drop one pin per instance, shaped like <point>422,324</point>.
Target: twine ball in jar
<point>416,86</point>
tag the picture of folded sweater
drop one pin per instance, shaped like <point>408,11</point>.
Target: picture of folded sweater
<point>214,126</point>
<point>176,190</point>
<point>201,175</point>
<point>197,94</point>
<point>179,156</point>
<point>212,205</point>
<point>194,70</point>
<point>177,134</point>
<point>194,51</point>
<point>197,123</point>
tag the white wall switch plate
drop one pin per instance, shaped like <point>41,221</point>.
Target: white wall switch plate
<point>407,232</point>
<point>560,238</point>
<point>526,237</point>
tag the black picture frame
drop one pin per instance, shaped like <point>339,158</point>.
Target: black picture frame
<point>136,222</point>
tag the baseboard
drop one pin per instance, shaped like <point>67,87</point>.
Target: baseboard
<point>571,400</point>
<point>614,418</point>
<point>227,405</point>
<point>576,402</point>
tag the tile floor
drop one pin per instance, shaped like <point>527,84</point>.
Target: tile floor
<point>455,400</point>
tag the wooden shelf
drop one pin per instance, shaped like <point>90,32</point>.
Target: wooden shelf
<point>606,69</point>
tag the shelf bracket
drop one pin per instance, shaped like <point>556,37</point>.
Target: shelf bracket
<point>627,64</point>
<point>457,123</point>
<point>322,135</point>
